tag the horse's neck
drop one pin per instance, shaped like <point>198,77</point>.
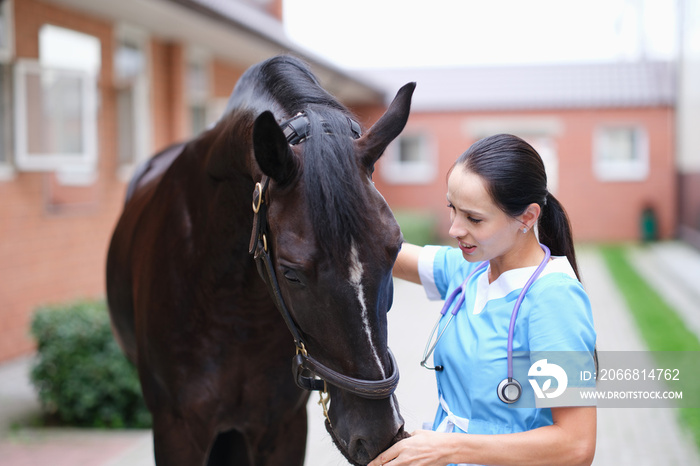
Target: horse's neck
<point>211,184</point>
<point>227,147</point>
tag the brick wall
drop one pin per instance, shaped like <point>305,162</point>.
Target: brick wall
<point>224,77</point>
<point>168,105</point>
<point>607,211</point>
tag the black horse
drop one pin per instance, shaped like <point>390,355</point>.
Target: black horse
<point>204,289</point>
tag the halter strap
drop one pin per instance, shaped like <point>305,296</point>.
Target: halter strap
<point>309,373</point>
<point>297,129</point>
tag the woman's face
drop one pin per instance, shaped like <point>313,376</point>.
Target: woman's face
<point>482,229</point>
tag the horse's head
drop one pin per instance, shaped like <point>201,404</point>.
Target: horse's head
<point>332,242</point>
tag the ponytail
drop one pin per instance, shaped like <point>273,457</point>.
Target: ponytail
<point>554,230</point>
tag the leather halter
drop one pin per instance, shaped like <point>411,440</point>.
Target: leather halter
<point>309,373</point>
<point>297,130</point>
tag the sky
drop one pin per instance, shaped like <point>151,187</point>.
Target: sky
<point>359,34</point>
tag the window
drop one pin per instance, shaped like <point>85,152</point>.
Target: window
<point>410,159</point>
<point>198,90</point>
<point>6,54</point>
<point>621,153</point>
<point>131,81</point>
<point>56,105</point>
<point>55,117</point>
<point>6,168</point>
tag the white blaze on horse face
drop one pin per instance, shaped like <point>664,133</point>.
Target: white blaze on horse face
<point>356,271</point>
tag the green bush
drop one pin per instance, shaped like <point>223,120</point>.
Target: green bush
<point>417,227</point>
<point>81,375</point>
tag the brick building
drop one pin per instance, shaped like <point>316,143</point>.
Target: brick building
<point>88,89</point>
<point>606,132</point>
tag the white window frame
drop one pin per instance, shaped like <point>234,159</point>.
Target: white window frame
<point>80,162</point>
<point>423,171</point>
<point>621,170</point>
<point>141,111</point>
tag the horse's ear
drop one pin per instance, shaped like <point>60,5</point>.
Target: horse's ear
<point>272,152</point>
<point>375,141</point>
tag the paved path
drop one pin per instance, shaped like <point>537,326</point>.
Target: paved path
<point>634,437</point>
<point>673,270</point>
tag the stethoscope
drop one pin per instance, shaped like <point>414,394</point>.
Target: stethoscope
<point>509,390</point>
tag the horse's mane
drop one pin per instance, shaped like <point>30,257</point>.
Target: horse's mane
<point>330,176</point>
<point>291,83</point>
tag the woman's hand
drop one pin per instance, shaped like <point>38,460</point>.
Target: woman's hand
<point>570,441</point>
<point>422,448</point>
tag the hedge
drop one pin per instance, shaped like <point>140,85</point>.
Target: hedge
<point>81,375</point>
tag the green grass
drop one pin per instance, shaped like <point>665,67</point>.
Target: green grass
<point>658,323</point>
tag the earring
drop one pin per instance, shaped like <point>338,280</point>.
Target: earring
<point>525,230</point>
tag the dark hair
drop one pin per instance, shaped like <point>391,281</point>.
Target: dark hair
<point>515,177</point>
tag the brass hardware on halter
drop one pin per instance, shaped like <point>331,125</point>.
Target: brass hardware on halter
<point>258,193</point>
<point>324,401</point>
<point>264,238</point>
<point>302,349</point>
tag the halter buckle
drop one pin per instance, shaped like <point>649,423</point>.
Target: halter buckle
<point>257,197</point>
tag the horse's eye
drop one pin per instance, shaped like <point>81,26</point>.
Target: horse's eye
<point>291,276</point>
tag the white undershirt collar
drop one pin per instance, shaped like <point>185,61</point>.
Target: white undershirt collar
<point>514,279</point>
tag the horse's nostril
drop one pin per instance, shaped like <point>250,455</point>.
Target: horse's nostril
<point>360,450</point>
<point>400,435</point>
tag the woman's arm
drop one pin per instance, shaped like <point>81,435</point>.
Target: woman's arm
<point>569,441</point>
<point>406,266</point>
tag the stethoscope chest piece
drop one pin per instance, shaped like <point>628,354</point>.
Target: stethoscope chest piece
<point>509,390</point>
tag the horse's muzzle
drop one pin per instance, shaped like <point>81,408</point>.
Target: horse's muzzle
<point>359,451</point>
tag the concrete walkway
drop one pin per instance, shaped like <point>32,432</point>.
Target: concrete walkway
<point>635,436</point>
<point>672,269</point>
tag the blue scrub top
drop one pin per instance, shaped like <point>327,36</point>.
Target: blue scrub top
<point>555,316</point>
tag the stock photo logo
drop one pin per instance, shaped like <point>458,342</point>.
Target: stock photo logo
<point>546,372</point>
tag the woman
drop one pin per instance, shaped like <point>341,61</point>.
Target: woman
<point>497,196</point>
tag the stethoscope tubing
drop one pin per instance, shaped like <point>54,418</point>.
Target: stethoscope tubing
<point>461,290</point>
<point>516,308</point>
